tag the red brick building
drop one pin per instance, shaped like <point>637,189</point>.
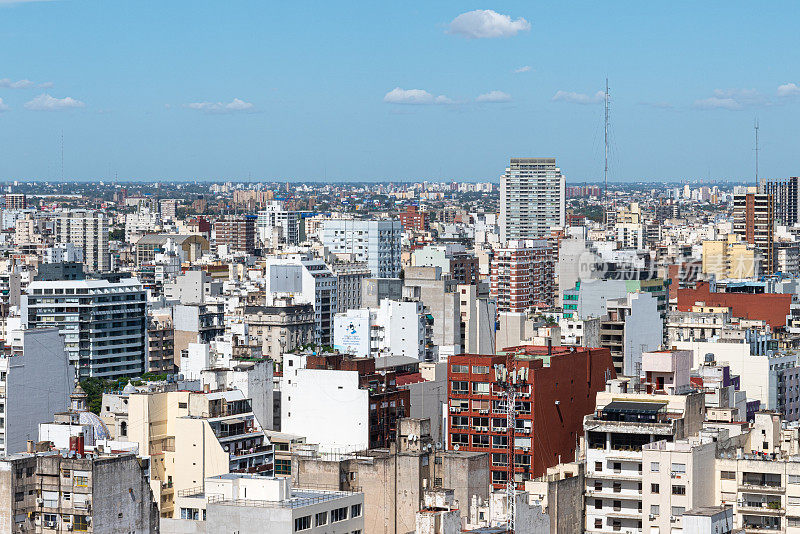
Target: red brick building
<point>770,307</point>
<point>522,275</point>
<point>387,403</point>
<point>413,219</point>
<point>560,390</point>
<point>238,233</point>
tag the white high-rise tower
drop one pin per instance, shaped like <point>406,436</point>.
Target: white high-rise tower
<point>532,199</point>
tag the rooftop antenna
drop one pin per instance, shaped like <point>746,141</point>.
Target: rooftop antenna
<point>605,168</point>
<point>755,128</point>
<point>62,155</point>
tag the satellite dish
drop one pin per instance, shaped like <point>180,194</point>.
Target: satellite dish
<point>438,445</point>
<point>456,447</point>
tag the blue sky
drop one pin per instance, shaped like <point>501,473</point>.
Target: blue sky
<point>392,90</point>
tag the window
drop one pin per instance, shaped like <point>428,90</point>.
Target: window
<point>459,368</point>
<point>654,467</point>
<point>794,479</point>
<point>678,490</point>
<point>598,485</point>
<point>50,519</point>
<point>617,467</point>
<point>321,519</point>
<point>81,481</point>
<point>355,510</point>
<point>480,388</point>
<point>183,405</point>
<point>459,387</point>
<point>598,504</point>
<point>678,468</point>
<point>480,369</point>
<point>338,514</point>
<point>598,523</point>
<point>678,511</point>
<point>598,466</point>
<point>617,487</point>
<point>302,523</point>
<point>654,488</point>
<point>727,475</point>
<point>654,509</point>
<point>793,521</point>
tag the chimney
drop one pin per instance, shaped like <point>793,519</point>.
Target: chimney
<point>549,346</point>
<point>30,446</point>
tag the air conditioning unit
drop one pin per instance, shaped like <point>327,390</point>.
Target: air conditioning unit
<point>50,524</point>
<point>652,517</point>
<point>39,501</point>
<point>672,519</point>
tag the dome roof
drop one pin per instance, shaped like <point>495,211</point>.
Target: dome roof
<point>128,389</point>
<point>99,428</point>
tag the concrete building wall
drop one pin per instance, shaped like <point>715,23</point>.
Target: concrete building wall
<point>38,384</point>
<point>327,407</point>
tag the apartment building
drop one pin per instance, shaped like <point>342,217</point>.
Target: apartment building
<point>532,199</point>
<point>280,327</point>
<point>413,219</point>
<point>76,490</point>
<point>400,328</point>
<point>161,344</point>
<point>632,325</point>
<point>104,322</point>
<point>560,388</point>
<point>615,434</point>
<point>237,233</point>
<point>376,242</point>
<point>754,222</point>
<point>340,402</point>
<point>522,275</point>
<point>251,504</point>
<point>452,259</point>
<point>309,281</point>
<point>191,435</point>
<point>16,201</point>
<point>88,230</point>
<point>275,216</point>
<point>349,280</point>
<point>394,480</point>
<point>36,378</point>
<point>675,480</point>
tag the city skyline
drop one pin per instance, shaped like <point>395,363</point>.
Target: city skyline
<point>397,93</point>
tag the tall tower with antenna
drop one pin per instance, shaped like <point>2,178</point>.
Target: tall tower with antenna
<point>605,144</point>
<point>755,128</point>
<point>62,155</point>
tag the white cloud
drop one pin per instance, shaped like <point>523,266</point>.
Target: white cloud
<point>486,24</point>
<point>45,102</point>
<point>578,98</point>
<point>414,96</point>
<point>46,85</point>
<point>7,83</point>
<point>234,106</point>
<point>522,69</point>
<point>732,99</point>
<point>716,102</point>
<point>493,97</point>
<point>3,106</point>
<point>789,89</point>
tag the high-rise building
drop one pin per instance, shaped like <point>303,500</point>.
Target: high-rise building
<point>787,199</point>
<point>104,322</point>
<point>522,275</point>
<point>237,233</point>
<point>275,216</point>
<point>376,242</point>
<point>16,201</point>
<point>754,222</point>
<point>560,388</point>
<point>532,198</point>
<point>413,219</point>
<point>88,230</point>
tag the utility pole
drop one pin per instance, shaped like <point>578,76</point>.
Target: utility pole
<point>511,380</point>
